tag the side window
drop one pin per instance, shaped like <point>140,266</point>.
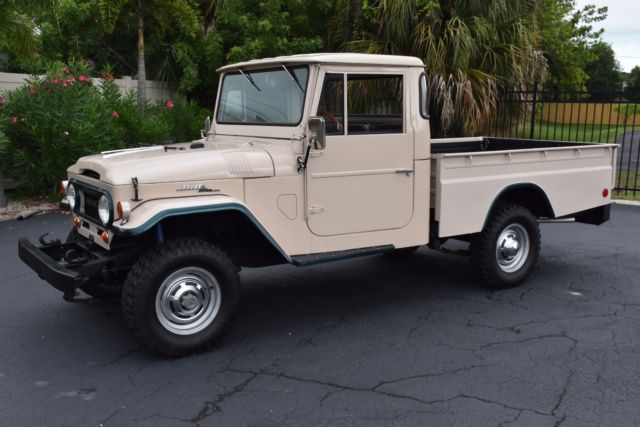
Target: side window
<point>331,106</point>
<point>424,99</point>
<point>374,104</point>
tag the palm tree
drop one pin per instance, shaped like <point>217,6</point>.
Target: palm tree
<point>156,13</point>
<point>17,28</point>
<point>473,50</point>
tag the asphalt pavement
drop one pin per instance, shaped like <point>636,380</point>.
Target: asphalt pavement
<point>367,342</point>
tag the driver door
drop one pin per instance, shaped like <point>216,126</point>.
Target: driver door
<point>363,180</point>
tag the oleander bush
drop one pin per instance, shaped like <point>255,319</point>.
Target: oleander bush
<point>56,118</point>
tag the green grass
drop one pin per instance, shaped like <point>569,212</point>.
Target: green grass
<point>627,180</point>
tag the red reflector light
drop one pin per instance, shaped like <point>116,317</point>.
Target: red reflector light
<point>605,192</point>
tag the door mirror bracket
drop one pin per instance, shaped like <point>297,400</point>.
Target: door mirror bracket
<point>316,140</point>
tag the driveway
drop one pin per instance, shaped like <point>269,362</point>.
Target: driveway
<point>368,342</point>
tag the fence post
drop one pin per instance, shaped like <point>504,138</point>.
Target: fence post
<point>3,199</point>
<point>533,108</point>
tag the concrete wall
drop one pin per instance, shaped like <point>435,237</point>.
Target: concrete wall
<point>156,91</point>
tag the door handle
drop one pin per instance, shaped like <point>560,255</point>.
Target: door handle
<point>315,209</point>
<point>405,171</point>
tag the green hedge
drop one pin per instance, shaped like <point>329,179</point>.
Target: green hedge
<point>55,119</point>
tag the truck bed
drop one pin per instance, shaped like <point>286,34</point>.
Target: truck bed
<point>469,174</point>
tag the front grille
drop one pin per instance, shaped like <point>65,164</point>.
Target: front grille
<point>91,199</point>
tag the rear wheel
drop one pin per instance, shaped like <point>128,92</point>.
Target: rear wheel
<point>99,288</point>
<point>181,297</point>
<point>505,253</point>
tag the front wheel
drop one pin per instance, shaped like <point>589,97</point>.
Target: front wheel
<point>180,298</point>
<point>505,253</point>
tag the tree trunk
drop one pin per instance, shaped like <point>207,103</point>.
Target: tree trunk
<point>142,73</point>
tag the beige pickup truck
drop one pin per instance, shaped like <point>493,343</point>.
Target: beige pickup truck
<point>308,159</point>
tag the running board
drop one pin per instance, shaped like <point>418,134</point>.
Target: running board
<point>321,258</point>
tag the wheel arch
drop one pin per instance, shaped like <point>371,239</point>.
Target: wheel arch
<point>231,226</point>
<point>526,194</point>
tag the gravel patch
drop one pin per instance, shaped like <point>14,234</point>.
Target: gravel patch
<point>24,209</point>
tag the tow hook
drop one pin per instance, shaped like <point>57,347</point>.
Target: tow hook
<point>43,242</point>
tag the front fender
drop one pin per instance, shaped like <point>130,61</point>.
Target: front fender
<point>146,215</point>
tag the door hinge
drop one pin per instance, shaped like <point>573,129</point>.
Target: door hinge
<point>315,209</point>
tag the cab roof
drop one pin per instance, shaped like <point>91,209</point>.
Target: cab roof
<point>329,58</point>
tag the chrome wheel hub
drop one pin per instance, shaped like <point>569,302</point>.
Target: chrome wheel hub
<point>512,248</point>
<point>188,300</point>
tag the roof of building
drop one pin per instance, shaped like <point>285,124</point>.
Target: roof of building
<point>330,58</point>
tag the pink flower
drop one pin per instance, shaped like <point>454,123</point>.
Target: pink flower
<point>2,101</point>
<point>107,76</point>
<point>14,120</point>
<point>65,83</point>
<point>33,90</point>
<point>170,104</point>
<point>115,114</point>
<point>81,78</point>
<point>66,70</point>
<point>55,81</point>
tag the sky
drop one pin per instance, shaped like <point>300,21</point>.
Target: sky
<point>621,29</point>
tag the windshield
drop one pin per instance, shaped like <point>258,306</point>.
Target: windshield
<point>263,97</point>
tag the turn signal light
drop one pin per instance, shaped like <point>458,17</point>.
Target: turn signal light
<point>105,236</point>
<point>123,210</point>
<point>605,192</point>
<point>76,221</point>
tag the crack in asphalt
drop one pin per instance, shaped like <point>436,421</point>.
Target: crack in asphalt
<point>121,357</point>
<point>211,406</point>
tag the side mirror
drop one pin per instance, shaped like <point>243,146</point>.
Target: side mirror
<point>207,127</point>
<point>317,139</point>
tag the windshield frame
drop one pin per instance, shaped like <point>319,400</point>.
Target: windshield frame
<point>251,72</point>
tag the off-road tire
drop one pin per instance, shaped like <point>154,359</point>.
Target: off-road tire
<point>97,288</point>
<point>145,280</point>
<point>484,252</point>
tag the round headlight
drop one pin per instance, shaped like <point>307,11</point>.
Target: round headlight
<point>71,196</point>
<point>104,210</point>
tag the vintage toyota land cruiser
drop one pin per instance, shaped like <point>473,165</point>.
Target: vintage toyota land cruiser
<point>308,159</point>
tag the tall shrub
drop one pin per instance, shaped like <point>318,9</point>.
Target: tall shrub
<point>59,117</point>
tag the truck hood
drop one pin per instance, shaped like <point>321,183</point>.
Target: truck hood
<point>175,163</point>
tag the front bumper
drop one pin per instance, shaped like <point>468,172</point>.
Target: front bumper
<point>45,260</point>
<point>67,266</point>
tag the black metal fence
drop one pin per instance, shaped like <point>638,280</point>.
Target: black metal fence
<point>577,117</point>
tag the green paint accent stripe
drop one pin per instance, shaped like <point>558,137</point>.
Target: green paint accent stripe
<point>196,210</point>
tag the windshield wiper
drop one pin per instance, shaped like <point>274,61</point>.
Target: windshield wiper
<point>293,77</point>
<point>249,78</point>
